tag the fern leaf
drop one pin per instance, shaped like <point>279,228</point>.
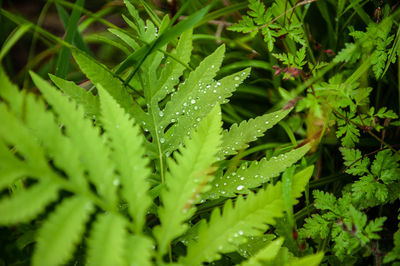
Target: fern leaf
<point>267,253</point>
<point>169,76</point>
<point>27,204</point>
<point>84,98</point>
<point>310,260</point>
<point>239,135</point>
<point>11,168</point>
<point>299,182</point>
<point>85,137</point>
<point>99,74</point>
<point>250,217</point>
<point>61,232</point>
<point>205,99</point>
<point>125,37</point>
<point>14,133</point>
<point>257,173</point>
<point>202,76</point>
<point>140,250</point>
<point>187,178</point>
<point>107,240</point>
<point>46,129</point>
<point>10,93</point>
<point>128,155</point>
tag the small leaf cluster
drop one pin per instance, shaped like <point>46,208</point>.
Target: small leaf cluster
<point>261,19</point>
<point>342,223</point>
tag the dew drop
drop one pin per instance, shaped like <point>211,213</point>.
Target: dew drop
<point>116,182</point>
<point>161,113</point>
<point>117,126</point>
<point>240,187</point>
<point>236,78</point>
<point>162,140</point>
<point>192,101</point>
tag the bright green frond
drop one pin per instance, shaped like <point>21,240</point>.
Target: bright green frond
<point>249,217</point>
<point>139,250</point>
<point>197,80</point>
<point>259,172</point>
<point>11,94</point>
<point>128,156</point>
<point>85,137</point>
<point>27,204</point>
<point>100,74</point>
<point>61,232</point>
<point>11,168</point>
<point>60,148</point>
<point>188,176</point>
<point>106,244</point>
<point>169,76</point>
<point>267,253</point>
<point>84,98</point>
<point>200,103</point>
<point>239,135</point>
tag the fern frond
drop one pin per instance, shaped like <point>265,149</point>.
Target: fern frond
<point>58,147</point>
<point>27,204</point>
<point>100,74</point>
<point>106,244</point>
<point>268,253</point>
<point>125,37</point>
<point>128,156</point>
<point>249,217</point>
<point>238,136</point>
<point>11,94</point>
<point>85,137</point>
<point>205,99</point>
<point>140,250</point>
<point>187,177</point>
<point>200,77</point>
<point>299,182</point>
<point>169,76</point>
<point>11,168</point>
<point>259,172</point>
<point>84,98</point>
<point>61,232</point>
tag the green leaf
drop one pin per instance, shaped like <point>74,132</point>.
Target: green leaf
<point>128,156</point>
<point>57,146</point>
<point>100,74</point>
<point>61,232</point>
<point>238,136</point>
<point>310,260</point>
<point>140,250</point>
<point>316,227</point>
<point>250,217</point>
<point>84,98</point>
<point>324,201</point>
<point>268,253</point>
<point>27,204</point>
<point>106,244</point>
<point>187,177</point>
<point>169,76</point>
<point>354,161</point>
<point>85,137</point>
<point>138,57</point>
<point>245,178</point>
